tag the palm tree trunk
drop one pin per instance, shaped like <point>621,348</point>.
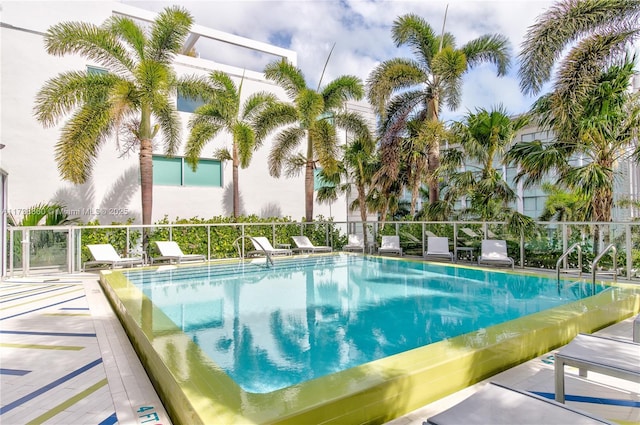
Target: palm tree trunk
<point>362,200</point>
<point>433,156</point>
<point>146,179</point>
<point>308,191</point>
<point>235,183</point>
<point>308,182</point>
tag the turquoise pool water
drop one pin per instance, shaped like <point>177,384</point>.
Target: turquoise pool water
<point>309,317</point>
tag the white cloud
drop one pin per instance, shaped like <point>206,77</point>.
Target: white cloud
<point>361,31</point>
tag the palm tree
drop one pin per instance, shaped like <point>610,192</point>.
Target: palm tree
<point>483,136</point>
<point>420,86</point>
<point>314,116</point>
<point>357,169</point>
<point>563,205</point>
<point>587,147</point>
<point>136,90</point>
<point>224,111</point>
<point>596,30</point>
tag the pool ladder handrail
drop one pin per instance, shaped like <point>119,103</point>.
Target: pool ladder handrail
<point>610,247</point>
<point>575,246</point>
<point>256,244</point>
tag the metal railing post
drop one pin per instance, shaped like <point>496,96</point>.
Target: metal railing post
<point>25,252</point>
<point>629,256</point>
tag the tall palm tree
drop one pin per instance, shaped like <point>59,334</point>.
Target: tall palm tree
<point>484,137</point>
<point>224,111</point>
<point>586,148</point>
<point>596,30</point>
<point>136,90</point>
<point>422,85</point>
<point>313,117</point>
<point>357,168</point>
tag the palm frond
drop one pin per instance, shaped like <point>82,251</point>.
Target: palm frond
<point>90,41</point>
<point>201,132</point>
<point>294,165</point>
<point>560,26</point>
<point>391,76</point>
<point>169,119</point>
<point>195,87</point>
<point>309,106</point>
<point>244,137</point>
<point>535,160</point>
<point>65,92</point>
<point>128,31</point>
<point>489,48</point>
<point>169,31</point>
<point>286,76</point>
<point>273,116</point>
<point>342,89</point>
<point>325,145</point>
<point>413,30</point>
<point>81,138</point>
<point>357,127</point>
<point>222,154</point>
<point>255,104</point>
<point>285,142</point>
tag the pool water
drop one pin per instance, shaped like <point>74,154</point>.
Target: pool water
<point>270,328</point>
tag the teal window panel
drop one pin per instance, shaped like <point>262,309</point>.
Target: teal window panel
<point>95,70</point>
<point>318,181</point>
<point>167,171</point>
<point>187,104</point>
<point>208,173</point>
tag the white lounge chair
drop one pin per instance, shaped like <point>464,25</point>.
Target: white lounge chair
<point>494,252</point>
<point>262,246</point>
<point>613,357</point>
<point>438,248</point>
<point>105,254</point>
<point>354,243</point>
<point>501,405</point>
<point>170,251</point>
<point>390,245</point>
<point>303,244</point>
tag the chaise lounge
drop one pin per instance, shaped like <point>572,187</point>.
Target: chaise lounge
<point>390,245</point>
<point>263,247</point>
<point>613,357</point>
<point>494,252</point>
<point>354,243</point>
<point>438,249</point>
<point>105,254</point>
<point>303,244</point>
<point>497,404</point>
<point>170,251</point>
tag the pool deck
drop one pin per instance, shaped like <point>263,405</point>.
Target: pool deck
<point>65,359</point>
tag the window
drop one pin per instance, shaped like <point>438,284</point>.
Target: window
<point>94,70</point>
<point>176,172</point>
<point>530,204</point>
<point>188,104</point>
<point>318,181</point>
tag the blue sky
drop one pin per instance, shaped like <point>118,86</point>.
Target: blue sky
<point>361,31</point>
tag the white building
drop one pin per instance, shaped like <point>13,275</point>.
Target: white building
<point>29,172</point>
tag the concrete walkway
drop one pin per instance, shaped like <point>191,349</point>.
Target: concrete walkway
<point>65,358</point>
<point>610,398</point>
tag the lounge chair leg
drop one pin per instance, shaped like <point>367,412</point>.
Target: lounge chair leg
<point>559,379</point>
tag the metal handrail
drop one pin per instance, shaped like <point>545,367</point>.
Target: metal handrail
<point>610,247</point>
<point>566,253</point>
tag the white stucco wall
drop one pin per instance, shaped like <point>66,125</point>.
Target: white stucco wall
<point>28,157</point>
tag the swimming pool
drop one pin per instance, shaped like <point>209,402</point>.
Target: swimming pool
<point>313,329</point>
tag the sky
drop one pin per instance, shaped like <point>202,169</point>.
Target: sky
<point>361,32</point>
